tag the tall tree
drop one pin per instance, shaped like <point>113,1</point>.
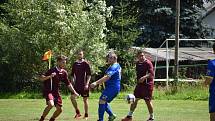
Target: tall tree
<point>34,26</point>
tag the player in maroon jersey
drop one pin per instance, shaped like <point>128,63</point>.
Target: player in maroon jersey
<point>144,87</point>
<point>51,80</point>
<point>81,75</point>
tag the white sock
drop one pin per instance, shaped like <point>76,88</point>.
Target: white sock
<point>151,115</point>
<point>130,113</point>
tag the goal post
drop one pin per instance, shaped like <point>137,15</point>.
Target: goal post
<point>169,52</point>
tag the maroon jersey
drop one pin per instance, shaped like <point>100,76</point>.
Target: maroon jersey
<point>61,75</point>
<point>80,70</point>
<point>143,68</point>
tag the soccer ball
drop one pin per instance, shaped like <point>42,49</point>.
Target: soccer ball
<point>130,98</point>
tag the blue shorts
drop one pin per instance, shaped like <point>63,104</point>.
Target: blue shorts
<point>109,94</point>
<point>212,102</point>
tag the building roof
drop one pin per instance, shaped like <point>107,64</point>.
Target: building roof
<point>210,7</point>
<point>194,54</point>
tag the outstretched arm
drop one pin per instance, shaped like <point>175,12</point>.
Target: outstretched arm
<point>100,81</point>
<point>72,89</point>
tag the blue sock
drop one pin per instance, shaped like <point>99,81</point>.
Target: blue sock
<point>101,111</point>
<point>108,109</point>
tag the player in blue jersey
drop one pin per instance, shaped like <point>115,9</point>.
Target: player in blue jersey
<point>111,79</point>
<point>209,80</point>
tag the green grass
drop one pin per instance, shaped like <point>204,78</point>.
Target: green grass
<point>165,110</point>
<point>195,92</point>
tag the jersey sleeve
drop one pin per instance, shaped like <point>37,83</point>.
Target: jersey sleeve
<point>49,72</point>
<point>65,78</point>
<point>88,70</point>
<point>112,70</point>
<point>150,69</point>
<point>210,69</point>
<point>73,70</point>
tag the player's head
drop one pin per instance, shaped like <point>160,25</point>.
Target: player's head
<point>111,58</point>
<point>214,47</point>
<point>80,54</point>
<point>61,61</point>
<point>141,55</point>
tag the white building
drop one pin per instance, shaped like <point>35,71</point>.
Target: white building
<point>209,16</point>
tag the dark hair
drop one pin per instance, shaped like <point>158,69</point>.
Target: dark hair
<point>78,51</point>
<point>139,52</point>
<point>214,47</point>
<point>61,57</point>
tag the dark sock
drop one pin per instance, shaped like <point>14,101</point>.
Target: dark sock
<point>77,111</point>
<point>101,111</point>
<point>108,109</point>
<point>51,119</point>
<point>41,118</point>
<point>86,115</point>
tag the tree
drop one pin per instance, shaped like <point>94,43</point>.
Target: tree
<point>158,17</point>
<point>32,27</point>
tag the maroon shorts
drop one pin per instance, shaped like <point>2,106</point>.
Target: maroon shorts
<point>57,99</point>
<point>143,91</point>
<point>81,91</point>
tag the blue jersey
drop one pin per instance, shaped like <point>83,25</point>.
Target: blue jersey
<point>211,73</point>
<point>114,72</point>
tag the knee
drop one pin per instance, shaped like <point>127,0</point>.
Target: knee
<point>85,100</point>
<point>102,101</point>
<point>59,110</point>
<point>72,97</point>
<point>50,106</point>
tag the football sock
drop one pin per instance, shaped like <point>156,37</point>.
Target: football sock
<point>108,109</point>
<point>151,115</point>
<point>101,111</point>
<point>52,119</point>
<point>41,118</point>
<point>77,111</point>
<point>86,115</point>
<point>130,113</point>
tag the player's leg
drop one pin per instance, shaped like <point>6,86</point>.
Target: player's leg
<point>132,109</point>
<point>75,105</point>
<point>107,96</point>
<point>101,110</point>
<point>148,100</point>
<point>150,109</point>
<point>85,99</point>
<point>58,105</point>
<point>56,113</point>
<point>50,104</point>
<point>212,116</point>
<point>108,109</point>
<point>139,94</point>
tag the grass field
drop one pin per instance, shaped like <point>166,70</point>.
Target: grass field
<point>165,110</point>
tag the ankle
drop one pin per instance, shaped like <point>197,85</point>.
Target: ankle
<point>41,118</point>
<point>52,119</point>
<point>86,115</point>
<point>77,111</point>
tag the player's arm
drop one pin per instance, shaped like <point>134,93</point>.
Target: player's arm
<point>72,89</point>
<point>43,77</point>
<point>208,80</point>
<point>150,73</point>
<point>100,81</point>
<point>73,74</point>
<point>210,73</point>
<point>69,85</point>
<point>88,79</point>
<point>88,73</point>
